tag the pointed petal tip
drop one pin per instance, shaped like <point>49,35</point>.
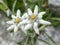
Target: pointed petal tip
<point>36,5</point>
<point>38,33</point>
<point>18,13</point>
<point>36,10</point>
<point>48,23</point>
<point>45,22</point>
<point>36,28</point>
<point>18,10</point>
<point>29,11</point>
<point>43,12</point>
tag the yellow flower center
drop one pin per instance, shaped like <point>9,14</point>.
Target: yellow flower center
<point>17,20</point>
<point>32,17</point>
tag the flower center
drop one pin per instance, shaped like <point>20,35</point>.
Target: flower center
<point>32,17</point>
<point>17,20</point>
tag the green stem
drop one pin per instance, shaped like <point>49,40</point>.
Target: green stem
<point>24,1</point>
<point>46,42</point>
<point>40,4</point>
<point>26,41</point>
<point>42,27</point>
<point>54,18</point>
<point>32,41</point>
<point>14,6</point>
<point>5,5</point>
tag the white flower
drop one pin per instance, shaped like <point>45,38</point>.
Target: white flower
<point>16,22</point>
<point>35,19</point>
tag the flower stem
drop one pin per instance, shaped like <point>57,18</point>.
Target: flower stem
<point>42,27</point>
<point>14,6</point>
<point>4,4</point>
<point>24,1</point>
<point>26,41</point>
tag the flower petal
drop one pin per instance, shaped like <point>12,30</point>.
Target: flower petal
<point>23,22</point>
<point>15,28</point>
<point>35,26</point>
<point>28,26</point>
<point>18,13</point>
<point>25,16</point>
<point>44,22</point>
<point>10,22</point>
<point>36,10</point>
<point>11,27</point>
<point>41,14</point>
<point>29,11</point>
<point>22,28</point>
<point>13,16</point>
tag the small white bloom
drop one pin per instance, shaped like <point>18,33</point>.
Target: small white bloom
<point>16,22</point>
<point>34,19</point>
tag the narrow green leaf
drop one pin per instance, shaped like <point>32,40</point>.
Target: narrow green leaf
<point>50,38</point>
<point>44,41</point>
<point>25,43</point>
<point>54,18</point>
<point>3,7</point>
<point>9,3</point>
<point>42,27</point>
<point>13,7</point>
<point>40,2</point>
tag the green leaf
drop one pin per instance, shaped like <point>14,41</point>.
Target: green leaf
<point>14,5</point>
<point>40,2</point>
<point>44,41</point>
<point>9,3</point>
<point>19,5</point>
<point>3,7</point>
<point>55,22</point>
<point>55,18</point>
<point>50,38</point>
<point>42,27</point>
<point>25,43</point>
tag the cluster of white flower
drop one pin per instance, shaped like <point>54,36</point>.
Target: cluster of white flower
<point>28,20</point>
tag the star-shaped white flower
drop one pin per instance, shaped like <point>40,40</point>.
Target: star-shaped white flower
<point>35,19</point>
<point>16,22</point>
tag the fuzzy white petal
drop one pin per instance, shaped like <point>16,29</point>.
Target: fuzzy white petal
<point>44,22</point>
<point>22,28</point>
<point>18,13</point>
<point>28,26</point>
<point>40,15</point>
<point>35,26</point>
<point>13,16</point>
<point>15,28</point>
<point>25,16</point>
<point>11,27</point>
<point>29,12</point>
<point>36,10</point>
<point>10,22</point>
<point>23,22</point>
